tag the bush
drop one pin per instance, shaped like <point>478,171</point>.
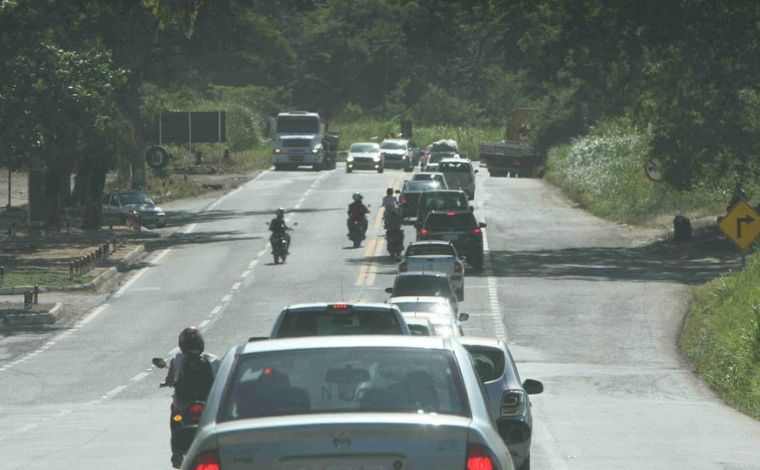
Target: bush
<point>604,171</point>
<point>722,337</point>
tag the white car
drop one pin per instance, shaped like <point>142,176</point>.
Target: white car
<point>460,174</point>
<point>345,402</point>
<point>365,155</point>
<point>436,310</point>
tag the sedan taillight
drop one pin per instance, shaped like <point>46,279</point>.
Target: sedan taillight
<point>457,268</point>
<point>403,267</point>
<point>424,231</point>
<point>513,403</point>
<point>478,457</point>
<point>207,461</point>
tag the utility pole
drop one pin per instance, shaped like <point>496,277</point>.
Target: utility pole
<point>10,174</point>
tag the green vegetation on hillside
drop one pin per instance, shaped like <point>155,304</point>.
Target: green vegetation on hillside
<point>721,336</point>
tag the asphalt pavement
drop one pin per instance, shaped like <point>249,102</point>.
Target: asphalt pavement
<point>585,306</point>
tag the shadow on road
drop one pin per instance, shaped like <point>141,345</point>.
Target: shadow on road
<point>706,257</point>
<point>183,239</point>
<point>178,218</point>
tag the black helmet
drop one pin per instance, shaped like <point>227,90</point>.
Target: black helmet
<point>280,212</point>
<point>357,197</point>
<point>191,341</point>
<point>389,192</point>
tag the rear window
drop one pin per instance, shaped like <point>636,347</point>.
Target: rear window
<point>426,307</point>
<point>322,323</point>
<point>421,286</point>
<point>436,157</point>
<point>459,220</point>
<point>455,167</point>
<point>430,249</point>
<point>489,362</point>
<point>420,186</point>
<point>354,380</point>
<point>438,201</point>
<point>419,329</point>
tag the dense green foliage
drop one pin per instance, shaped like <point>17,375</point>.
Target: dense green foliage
<point>604,171</point>
<point>685,70</point>
<point>722,333</point>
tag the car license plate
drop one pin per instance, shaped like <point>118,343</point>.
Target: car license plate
<point>449,237</point>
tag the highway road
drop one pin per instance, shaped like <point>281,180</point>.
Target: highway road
<point>589,308</point>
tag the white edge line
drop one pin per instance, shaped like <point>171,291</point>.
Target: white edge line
<point>216,310</point>
<point>98,310</point>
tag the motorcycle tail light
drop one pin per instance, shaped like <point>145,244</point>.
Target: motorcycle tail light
<point>196,409</point>
<point>207,461</point>
<point>478,457</point>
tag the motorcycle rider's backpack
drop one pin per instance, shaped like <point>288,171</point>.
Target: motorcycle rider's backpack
<point>195,379</point>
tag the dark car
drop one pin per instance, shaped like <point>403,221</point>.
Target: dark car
<point>339,319</point>
<point>443,200</point>
<point>410,195</point>
<point>117,204</point>
<point>461,229</point>
<point>508,395</point>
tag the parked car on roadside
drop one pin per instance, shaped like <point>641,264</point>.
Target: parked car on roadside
<point>508,396</point>
<point>333,319</point>
<point>118,204</point>
<point>348,402</point>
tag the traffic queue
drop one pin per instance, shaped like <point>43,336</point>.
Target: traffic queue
<point>356,385</point>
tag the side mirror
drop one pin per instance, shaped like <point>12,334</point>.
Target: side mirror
<point>482,225</point>
<point>257,338</point>
<point>389,290</point>
<point>159,362</point>
<point>398,191</point>
<point>476,171</point>
<point>464,316</point>
<point>533,387</point>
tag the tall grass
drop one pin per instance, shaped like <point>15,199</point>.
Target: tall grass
<point>604,171</point>
<point>722,334</point>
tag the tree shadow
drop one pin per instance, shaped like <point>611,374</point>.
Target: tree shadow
<point>696,262</point>
<point>179,218</point>
<point>197,238</point>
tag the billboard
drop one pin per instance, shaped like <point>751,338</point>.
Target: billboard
<point>189,127</point>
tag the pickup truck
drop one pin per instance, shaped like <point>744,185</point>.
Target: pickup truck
<point>435,256</point>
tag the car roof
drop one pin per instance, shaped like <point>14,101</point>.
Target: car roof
<point>453,212</point>
<point>354,305</point>
<point>419,298</point>
<point>432,173</point>
<point>456,160</point>
<point>358,341</point>
<point>451,191</point>
<point>401,141</point>
<point>481,341</point>
<point>364,143</point>
<point>422,273</point>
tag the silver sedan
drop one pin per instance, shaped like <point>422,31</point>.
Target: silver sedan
<point>379,402</point>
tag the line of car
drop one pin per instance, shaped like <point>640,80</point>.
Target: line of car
<point>393,385</point>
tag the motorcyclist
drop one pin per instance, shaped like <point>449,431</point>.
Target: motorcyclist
<point>357,211</point>
<point>389,202</point>
<point>394,220</point>
<point>279,228</point>
<point>191,373</point>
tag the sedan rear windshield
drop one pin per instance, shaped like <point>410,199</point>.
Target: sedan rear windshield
<point>430,249</point>
<point>455,167</point>
<point>343,380</point>
<point>419,186</point>
<point>438,201</point>
<point>422,286</point>
<point>425,307</point>
<point>461,220</point>
<point>323,323</point>
<point>438,156</point>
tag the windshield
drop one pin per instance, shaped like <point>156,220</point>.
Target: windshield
<point>422,286</point>
<point>323,323</point>
<point>430,249</point>
<point>364,148</point>
<point>393,146</point>
<point>357,380</point>
<point>438,201</point>
<point>419,186</point>
<point>297,125</point>
<point>427,307</point>
<point>135,198</point>
<point>465,220</point>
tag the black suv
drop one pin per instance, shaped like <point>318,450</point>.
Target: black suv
<point>461,229</point>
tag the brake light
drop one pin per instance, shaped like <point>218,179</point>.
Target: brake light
<point>340,306</point>
<point>403,267</point>
<point>476,230</point>
<point>478,457</point>
<point>424,231</point>
<point>209,461</point>
<point>457,268</point>
<point>267,371</point>
<point>402,200</point>
<point>196,409</point>
<point>450,213</point>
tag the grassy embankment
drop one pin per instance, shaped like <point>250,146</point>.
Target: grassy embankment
<point>722,332</point>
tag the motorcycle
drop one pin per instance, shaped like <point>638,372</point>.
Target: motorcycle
<point>184,422</point>
<point>279,247</point>
<point>395,242</point>
<point>356,230</point>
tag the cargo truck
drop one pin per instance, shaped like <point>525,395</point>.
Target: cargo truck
<point>514,155</point>
<point>300,139</point>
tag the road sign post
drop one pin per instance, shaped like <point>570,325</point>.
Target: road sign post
<point>741,225</point>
